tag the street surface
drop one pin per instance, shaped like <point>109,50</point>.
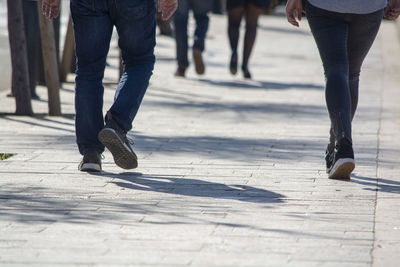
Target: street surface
<point>231,172</point>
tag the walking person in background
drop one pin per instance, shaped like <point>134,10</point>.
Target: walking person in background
<point>200,10</point>
<point>344,31</point>
<point>164,26</point>
<point>94,20</point>
<point>251,10</point>
<point>219,6</point>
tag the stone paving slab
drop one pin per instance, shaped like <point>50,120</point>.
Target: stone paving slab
<point>231,172</point>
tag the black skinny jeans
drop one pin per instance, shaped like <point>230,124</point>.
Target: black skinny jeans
<point>343,42</point>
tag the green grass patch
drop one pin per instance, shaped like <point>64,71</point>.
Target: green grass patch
<point>4,156</point>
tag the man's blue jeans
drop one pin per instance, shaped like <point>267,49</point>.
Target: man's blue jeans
<point>93,26</point>
<point>200,9</point>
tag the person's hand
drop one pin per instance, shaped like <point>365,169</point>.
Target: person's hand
<point>392,10</point>
<point>50,8</point>
<point>293,11</point>
<point>167,8</point>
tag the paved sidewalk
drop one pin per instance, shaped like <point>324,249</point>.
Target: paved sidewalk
<point>231,172</point>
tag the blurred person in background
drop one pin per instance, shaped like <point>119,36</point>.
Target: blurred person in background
<point>344,31</point>
<point>200,10</point>
<point>250,10</point>
<point>164,26</point>
<point>219,7</point>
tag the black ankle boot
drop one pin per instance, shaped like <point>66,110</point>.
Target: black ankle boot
<point>246,72</point>
<point>233,64</point>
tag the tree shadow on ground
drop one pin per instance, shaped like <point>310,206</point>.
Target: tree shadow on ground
<point>247,112</point>
<point>40,207</point>
<point>36,204</point>
<point>42,121</point>
<point>231,148</point>
<point>377,184</point>
<point>194,101</point>
<point>260,84</point>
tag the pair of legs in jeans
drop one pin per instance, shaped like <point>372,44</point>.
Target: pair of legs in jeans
<point>200,10</point>
<point>94,21</point>
<point>343,41</point>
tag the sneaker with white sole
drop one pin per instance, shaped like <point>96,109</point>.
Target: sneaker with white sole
<point>114,138</point>
<point>91,162</point>
<point>342,160</point>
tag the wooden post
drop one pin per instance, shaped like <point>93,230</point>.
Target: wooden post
<point>19,58</point>
<point>398,25</point>
<point>50,62</point>
<point>68,52</point>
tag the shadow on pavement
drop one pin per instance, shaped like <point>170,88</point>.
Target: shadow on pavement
<point>40,207</point>
<point>230,148</point>
<point>192,187</point>
<point>377,184</point>
<point>41,204</point>
<point>259,84</point>
<point>247,111</point>
<point>207,147</point>
<point>42,121</point>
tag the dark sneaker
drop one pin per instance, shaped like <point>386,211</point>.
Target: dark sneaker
<point>330,148</point>
<point>198,61</point>
<point>343,160</point>
<point>114,138</point>
<point>180,72</point>
<point>91,162</point>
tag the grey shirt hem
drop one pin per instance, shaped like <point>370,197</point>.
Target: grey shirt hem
<point>350,6</point>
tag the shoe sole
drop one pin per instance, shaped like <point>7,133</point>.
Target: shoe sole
<point>198,61</point>
<point>342,169</point>
<point>90,167</point>
<point>122,155</point>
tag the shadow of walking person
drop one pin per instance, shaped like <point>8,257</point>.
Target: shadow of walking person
<point>192,187</point>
